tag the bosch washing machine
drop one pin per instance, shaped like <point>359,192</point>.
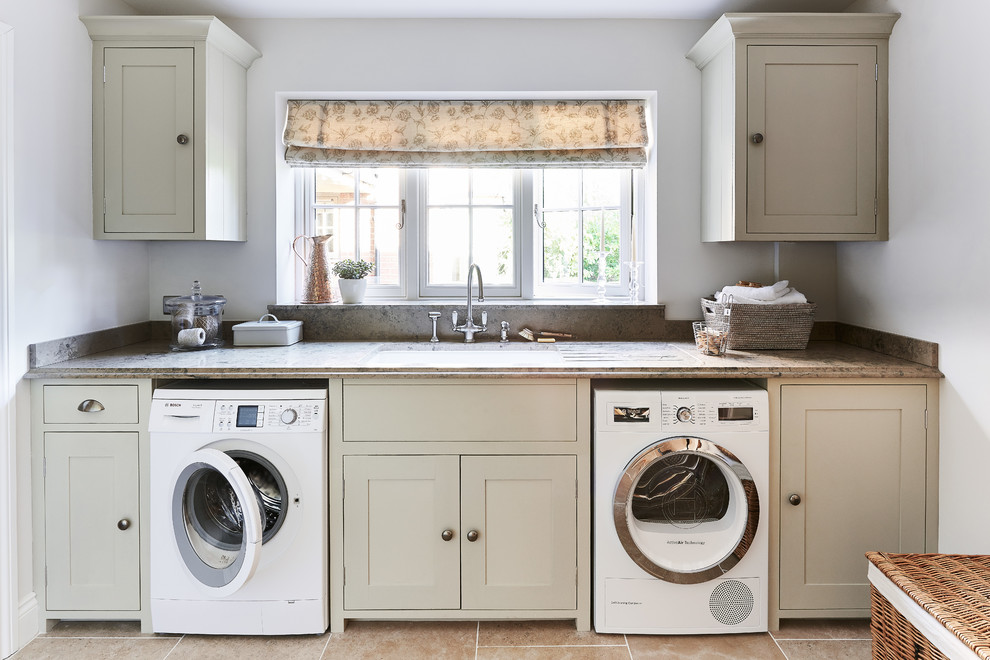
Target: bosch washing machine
<point>681,478</point>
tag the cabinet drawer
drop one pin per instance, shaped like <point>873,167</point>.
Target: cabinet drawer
<point>68,404</point>
<point>505,411</point>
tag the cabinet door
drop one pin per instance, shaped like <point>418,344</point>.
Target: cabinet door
<point>396,509</point>
<point>815,170</point>
<point>91,484</point>
<point>855,454</point>
<point>148,173</point>
<point>523,509</point>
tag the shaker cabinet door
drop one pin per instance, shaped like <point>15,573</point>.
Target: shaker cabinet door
<point>148,140</point>
<point>92,535</point>
<point>811,140</point>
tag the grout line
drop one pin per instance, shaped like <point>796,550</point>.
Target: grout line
<point>477,640</point>
<point>181,637</point>
<point>554,646</point>
<point>779,648</point>
<point>628,648</point>
<point>823,639</point>
<point>326,645</point>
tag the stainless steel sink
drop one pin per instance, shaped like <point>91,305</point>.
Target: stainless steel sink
<point>453,356</point>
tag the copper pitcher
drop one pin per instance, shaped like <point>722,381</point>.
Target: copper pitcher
<point>316,282</point>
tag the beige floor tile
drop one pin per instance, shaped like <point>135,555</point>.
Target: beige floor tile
<point>827,649</point>
<point>62,648</point>
<point>824,629</point>
<point>236,647</point>
<point>98,629</point>
<point>405,640</point>
<point>541,633</point>
<point>757,646</point>
<point>553,653</point>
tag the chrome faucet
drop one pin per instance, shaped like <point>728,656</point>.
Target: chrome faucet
<point>469,328</point>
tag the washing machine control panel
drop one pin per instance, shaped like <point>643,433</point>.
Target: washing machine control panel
<point>268,416</point>
<point>710,411</point>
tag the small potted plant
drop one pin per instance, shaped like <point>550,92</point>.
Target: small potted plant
<point>351,274</point>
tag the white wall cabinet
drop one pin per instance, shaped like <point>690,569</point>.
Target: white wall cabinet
<point>855,471</point>
<point>460,499</point>
<point>794,127</point>
<point>89,452</point>
<point>169,122</point>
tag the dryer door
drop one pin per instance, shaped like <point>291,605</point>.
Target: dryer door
<point>686,510</point>
<point>216,521</point>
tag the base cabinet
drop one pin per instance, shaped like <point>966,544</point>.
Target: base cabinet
<point>469,499</point>
<point>477,532</point>
<point>856,473</point>
<point>89,450</point>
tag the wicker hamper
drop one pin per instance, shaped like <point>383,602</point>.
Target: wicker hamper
<point>953,595</point>
<point>763,326</point>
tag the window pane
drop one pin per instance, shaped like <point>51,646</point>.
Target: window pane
<point>343,241</point>
<point>447,242</point>
<point>448,186</point>
<point>334,186</point>
<point>492,245</point>
<point>325,222</point>
<point>561,189</point>
<point>595,230</point>
<point>380,186</point>
<point>561,251</point>
<point>380,243</point>
<point>493,187</point>
<point>601,187</point>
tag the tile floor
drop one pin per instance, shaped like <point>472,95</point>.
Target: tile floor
<point>470,640</point>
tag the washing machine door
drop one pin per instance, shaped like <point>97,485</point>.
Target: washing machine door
<point>686,510</point>
<point>216,521</point>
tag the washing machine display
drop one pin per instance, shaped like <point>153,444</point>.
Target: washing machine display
<point>680,532</point>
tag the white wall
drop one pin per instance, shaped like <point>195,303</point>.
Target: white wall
<point>64,282</point>
<point>930,279</point>
<point>452,56</point>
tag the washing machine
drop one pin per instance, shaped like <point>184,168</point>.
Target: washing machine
<point>239,508</point>
<point>681,479</point>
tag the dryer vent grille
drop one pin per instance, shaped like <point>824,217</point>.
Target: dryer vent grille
<point>731,602</point>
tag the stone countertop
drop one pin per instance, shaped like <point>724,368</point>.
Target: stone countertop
<point>153,359</point>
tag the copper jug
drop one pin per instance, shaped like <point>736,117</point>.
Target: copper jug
<point>316,282</point>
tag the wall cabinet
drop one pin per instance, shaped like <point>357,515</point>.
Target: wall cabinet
<point>855,470</point>
<point>460,499</point>
<point>169,128</point>
<point>89,448</point>
<point>794,127</point>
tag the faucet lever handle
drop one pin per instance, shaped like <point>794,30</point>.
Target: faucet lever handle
<point>453,318</point>
<point>484,320</point>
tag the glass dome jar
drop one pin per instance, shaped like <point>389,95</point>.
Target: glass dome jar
<point>196,320</point>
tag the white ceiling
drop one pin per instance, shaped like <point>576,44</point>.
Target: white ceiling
<point>700,9</point>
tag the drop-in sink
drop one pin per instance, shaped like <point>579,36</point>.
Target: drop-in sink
<point>453,356</point>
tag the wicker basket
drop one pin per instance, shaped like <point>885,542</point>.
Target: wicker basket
<point>763,326</point>
<point>953,589</point>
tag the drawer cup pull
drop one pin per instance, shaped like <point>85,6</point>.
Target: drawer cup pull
<point>90,406</point>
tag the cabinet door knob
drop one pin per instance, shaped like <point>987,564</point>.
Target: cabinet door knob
<point>757,138</point>
<point>794,499</point>
<point>123,524</point>
<point>473,535</point>
<point>182,139</point>
<point>90,405</point>
<point>447,534</point>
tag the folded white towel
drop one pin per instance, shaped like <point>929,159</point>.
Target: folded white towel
<point>765,293</point>
<point>790,298</point>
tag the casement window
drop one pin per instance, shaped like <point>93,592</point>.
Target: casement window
<point>541,195</point>
<point>535,233</point>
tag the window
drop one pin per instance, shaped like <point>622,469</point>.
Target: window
<point>535,233</point>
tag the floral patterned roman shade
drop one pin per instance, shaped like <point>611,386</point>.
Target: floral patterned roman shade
<point>577,133</point>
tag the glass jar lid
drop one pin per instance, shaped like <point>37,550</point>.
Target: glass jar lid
<point>201,305</point>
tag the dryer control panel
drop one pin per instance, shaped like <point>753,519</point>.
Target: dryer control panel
<point>710,410</point>
<point>269,415</point>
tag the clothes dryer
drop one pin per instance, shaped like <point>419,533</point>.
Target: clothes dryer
<point>239,509</point>
<point>681,477</point>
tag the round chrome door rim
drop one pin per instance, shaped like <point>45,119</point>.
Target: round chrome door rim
<point>630,477</point>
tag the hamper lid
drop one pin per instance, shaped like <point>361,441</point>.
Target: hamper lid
<point>262,324</point>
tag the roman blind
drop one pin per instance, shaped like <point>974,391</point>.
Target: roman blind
<point>502,133</point>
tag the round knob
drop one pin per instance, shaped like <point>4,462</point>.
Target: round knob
<point>684,414</point>
<point>794,499</point>
<point>757,138</point>
<point>182,139</point>
<point>288,416</point>
<point>447,534</point>
<point>473,535</point>
<point>123,524</point>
